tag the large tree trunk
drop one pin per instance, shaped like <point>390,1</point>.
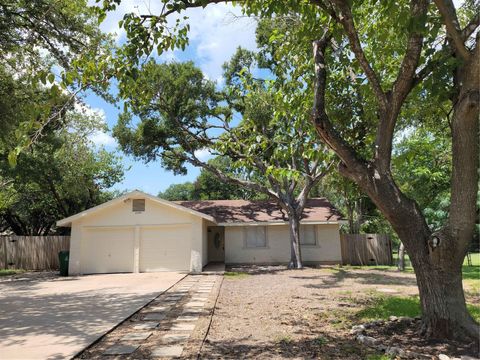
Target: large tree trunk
<point>436,258</point>
<point>445,314</point>
<point>437,263</point>
<point>295,250</point>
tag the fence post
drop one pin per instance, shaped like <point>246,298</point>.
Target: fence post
<point>5,256</point>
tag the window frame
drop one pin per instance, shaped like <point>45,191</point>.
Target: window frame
<point>245,241</point>
<point>315,235</point>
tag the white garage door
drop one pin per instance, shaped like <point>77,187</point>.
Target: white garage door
<point>165,248</point>
<point>107,250</point>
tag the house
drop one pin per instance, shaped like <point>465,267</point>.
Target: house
<point>138,232</point>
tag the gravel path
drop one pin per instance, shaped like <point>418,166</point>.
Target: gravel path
<point>274,313</point>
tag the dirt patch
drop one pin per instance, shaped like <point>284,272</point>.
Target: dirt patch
<point>272,312</point>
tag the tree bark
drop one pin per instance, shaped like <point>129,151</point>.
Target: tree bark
<point>436,258</point>
<point>438,268</point>
<point>295,249</point>
<point>401,257</point>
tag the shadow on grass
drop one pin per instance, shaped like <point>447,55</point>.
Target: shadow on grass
<point>381,307</point>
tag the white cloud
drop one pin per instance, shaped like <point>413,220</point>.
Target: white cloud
<point>203,154</point>
<point>100,138</point>
<point>87,110</point>
<point>215,32</point>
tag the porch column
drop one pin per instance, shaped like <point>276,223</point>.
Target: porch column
<point>196,245</point>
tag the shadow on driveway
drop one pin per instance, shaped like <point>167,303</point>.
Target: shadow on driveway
<point>58,317</point>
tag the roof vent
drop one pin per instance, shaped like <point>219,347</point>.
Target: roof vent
<point>138,205</point>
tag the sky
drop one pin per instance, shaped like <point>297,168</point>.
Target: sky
<point>215,34</point>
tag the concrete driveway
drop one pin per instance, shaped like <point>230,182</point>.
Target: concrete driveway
<point>55,318</point>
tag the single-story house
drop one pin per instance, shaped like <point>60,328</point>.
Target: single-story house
<point>138,232</point>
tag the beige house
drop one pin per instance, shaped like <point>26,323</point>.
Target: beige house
<point>138,232</point>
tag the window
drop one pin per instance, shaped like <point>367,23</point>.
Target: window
<point>138,205</point>
<point>255,236</point>
<point>308,235</point>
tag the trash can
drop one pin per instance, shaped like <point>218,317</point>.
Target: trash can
<point>63,259</point>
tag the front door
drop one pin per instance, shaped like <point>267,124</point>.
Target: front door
<point>216,244</point>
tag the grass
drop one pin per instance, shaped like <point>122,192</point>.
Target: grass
<point>378,357</point>
<point>320,340</point>
<point>235,275</point>
<point>284,339</point>
<point>7,272</point>
<point>381,307</point>
<point>470,272</point>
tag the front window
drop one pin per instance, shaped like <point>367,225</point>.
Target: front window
<point>256,236</point>
<point>308,235</point>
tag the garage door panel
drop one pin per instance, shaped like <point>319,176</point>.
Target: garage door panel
<point>165,248</point>
<point>107,250</point>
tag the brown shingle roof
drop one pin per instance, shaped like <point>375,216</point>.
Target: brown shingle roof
<point>245,211</point>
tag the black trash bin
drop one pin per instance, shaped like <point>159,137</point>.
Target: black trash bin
<point>63,259</point>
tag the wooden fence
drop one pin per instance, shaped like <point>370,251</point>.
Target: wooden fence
<point>366,249</point>
<point>32,252</point>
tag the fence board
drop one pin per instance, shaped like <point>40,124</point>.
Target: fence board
<point>32,252</point>
<point>366,249</point>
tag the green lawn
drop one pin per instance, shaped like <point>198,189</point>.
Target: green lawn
<point>235,275</point>
<point>7,272</point>
<point>382,306</point>
<point>469,272</point>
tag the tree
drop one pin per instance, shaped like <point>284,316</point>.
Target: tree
<point>347,198</point>
<point>58,177</point>
<point>57,45</point>
<point>177,192</point>
<point>181,112</point>
<point>208,186</point>
<point>381,57</point>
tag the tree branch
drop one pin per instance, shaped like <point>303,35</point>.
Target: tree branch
<point>471,27</point>
<point>346,19</point>
<point>449,15</point>
<point>320,118</point>
<point>401,87</point>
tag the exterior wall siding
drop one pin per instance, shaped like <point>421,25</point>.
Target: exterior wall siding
<point>120,216</point>
<point>277,251</point>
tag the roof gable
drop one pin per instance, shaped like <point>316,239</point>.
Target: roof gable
<point>133,194</point>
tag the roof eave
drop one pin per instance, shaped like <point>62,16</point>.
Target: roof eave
<point>264,223</point>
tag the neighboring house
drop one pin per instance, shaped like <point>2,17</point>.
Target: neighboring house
<point>138,232</point>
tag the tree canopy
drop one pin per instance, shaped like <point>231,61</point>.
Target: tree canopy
<point>376,66</point>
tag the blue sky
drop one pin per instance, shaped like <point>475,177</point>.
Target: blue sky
<point>215,34</point>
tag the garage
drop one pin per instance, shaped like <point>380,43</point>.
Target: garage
<point>165,248</point>
<point>137,232</point>
<point>107,250</point>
